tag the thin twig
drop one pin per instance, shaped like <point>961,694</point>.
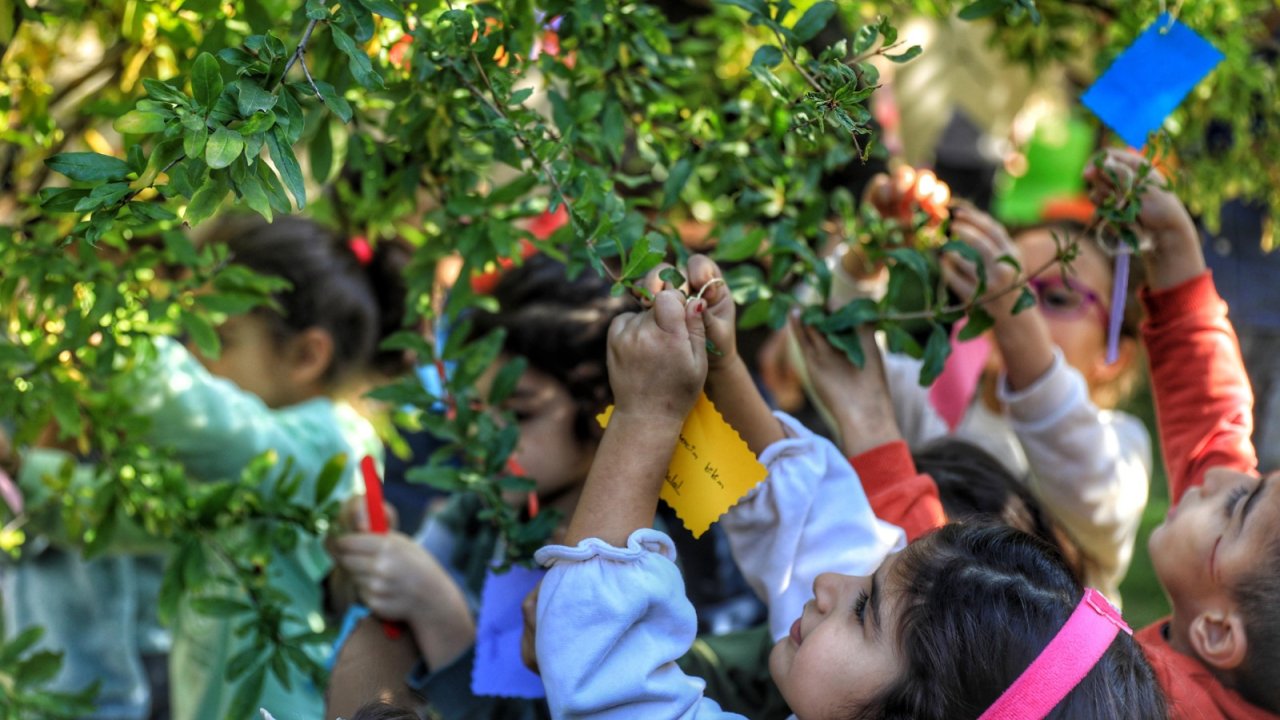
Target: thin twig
<point>312,81</point>
<point>989,297</point>
<point>302,48</point>
<point>791,56</point>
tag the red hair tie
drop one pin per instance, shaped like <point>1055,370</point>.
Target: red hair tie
<point>361,249</point>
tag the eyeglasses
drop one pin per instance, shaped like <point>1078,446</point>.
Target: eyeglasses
<point>1066,298</point>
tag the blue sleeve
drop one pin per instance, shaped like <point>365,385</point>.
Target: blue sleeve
<point>810,516</point>
<point>611,624</point>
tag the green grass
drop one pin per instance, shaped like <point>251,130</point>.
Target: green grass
<point>1144,600</point>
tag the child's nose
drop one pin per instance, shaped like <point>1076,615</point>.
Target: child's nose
<point>826,591</point>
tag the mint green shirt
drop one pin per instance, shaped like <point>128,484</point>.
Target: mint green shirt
<point>215,430</point>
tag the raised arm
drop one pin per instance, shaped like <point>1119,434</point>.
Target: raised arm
<point>1203,399</point>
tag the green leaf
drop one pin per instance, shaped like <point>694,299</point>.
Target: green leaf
<point>645,256</point>
<point>766,56</point>
<point>275,190</point>
<point>254,99</point>
<point>37,669</point>
<point>15,648</point>
<point>337,104</point>
<point>814,20</point>
<point>672,277</point>
<point>202,334</point>
<point>282,155</point>
<point>330,475</point>
<point>164,92</point>
<point>504,383</point>
<point>737,243</point>
<point>88,166</point>
<point>755,7</point>
<point>320,153</point>
<point>250,188</point>
<point>206,80</point>
<point>979,322</point>
<point>223,147</point>
<point>676,180</point>
<point>908,54</point>
<point>150,211</point>
<point>864,39</point>
<point>259,123</point>
<point>385,8</point>
<point>56,200</point>
<point>913,259</point>
<point>246,699</point>
<point>243,661</point>
<point>514,190</point>
<point>851,315</point>
<point>103,196</point>
<point>136,122</point>
<point>317,9</point>
<point>219,606</point>
<point>1026,299</point>
<point>358,62</point>
<point>982,8</point>
<point>936,351</point>
<point>206,200</point>
<point>848,343</point>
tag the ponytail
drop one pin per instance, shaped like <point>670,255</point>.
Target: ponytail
<point>351,290</point>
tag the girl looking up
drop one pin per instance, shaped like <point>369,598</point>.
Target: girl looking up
<point>947,628</point>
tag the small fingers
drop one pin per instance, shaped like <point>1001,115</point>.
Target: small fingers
<point>669,311</point>
<point>654,283</point>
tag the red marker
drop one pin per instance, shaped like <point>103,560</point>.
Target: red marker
<point>377,519</point>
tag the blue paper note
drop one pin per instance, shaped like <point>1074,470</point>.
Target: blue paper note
<point>1150,79</point>
<point>498,669</point>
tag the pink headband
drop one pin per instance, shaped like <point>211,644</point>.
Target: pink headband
<point>1063,663</point>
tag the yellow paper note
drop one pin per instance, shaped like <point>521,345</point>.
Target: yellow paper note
<point>711,469</point>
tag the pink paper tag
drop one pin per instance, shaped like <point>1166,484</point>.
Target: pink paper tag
<point>10,493</point>
<point>954,389</point>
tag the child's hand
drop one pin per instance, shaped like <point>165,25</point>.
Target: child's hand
<point>857,400</point>
<point>897,197</point>
<point>1176,255</point>
<point>395,577</point>
<point>529,635</point>
<point>658,359</point>
<point>987,236</point>
<point>706,283</point>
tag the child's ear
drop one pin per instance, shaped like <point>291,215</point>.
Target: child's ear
<point>309,355</point>
<point>1126,355</point>
<point>1218,638</point>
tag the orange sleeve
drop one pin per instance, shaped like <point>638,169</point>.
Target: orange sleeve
<point>898,493</point>
<point>1204,404</point>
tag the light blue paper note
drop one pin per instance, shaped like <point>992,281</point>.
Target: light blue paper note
<point>498,669</point>
<point>1150,79</point>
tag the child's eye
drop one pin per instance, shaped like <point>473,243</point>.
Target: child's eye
<point>860,605</point>
<point>522,415</point>
<point>1233,498</point>
<point>1060,299</point>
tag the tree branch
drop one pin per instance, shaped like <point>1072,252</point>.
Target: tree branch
<point>298,52</point>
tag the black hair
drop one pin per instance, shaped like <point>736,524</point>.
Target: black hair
<point>359,301</point>
<point>561,327</point>
<point>974,485</point>
<point>1257,595</point>
<point>383,711</point>
<point>979,602</point>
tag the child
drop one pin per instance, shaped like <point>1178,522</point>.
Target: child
<point>559,326</point>
<point>1217,555</point>
<point>275,386</point>
<point>940,630</point>
<point>1045,405</point>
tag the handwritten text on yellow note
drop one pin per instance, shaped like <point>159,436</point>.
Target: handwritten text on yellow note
<point>711,470</point>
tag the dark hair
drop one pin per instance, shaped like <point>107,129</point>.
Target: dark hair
<point>974,485</point>
<point>383,711</point>
<point>979,603</point>
<point>561,327</point>
<point>1257,595</point>
<point>359,304</point>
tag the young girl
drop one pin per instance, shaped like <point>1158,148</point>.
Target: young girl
<point>559,326</point>
<point>1045,404</point>
<point>275,387</point>
<point>944,629</point>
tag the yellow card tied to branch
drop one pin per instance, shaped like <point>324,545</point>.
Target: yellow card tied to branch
<point>711,469</point>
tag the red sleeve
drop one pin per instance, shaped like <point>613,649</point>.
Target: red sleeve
<point>1203,401</point>
<point>898,493</point>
